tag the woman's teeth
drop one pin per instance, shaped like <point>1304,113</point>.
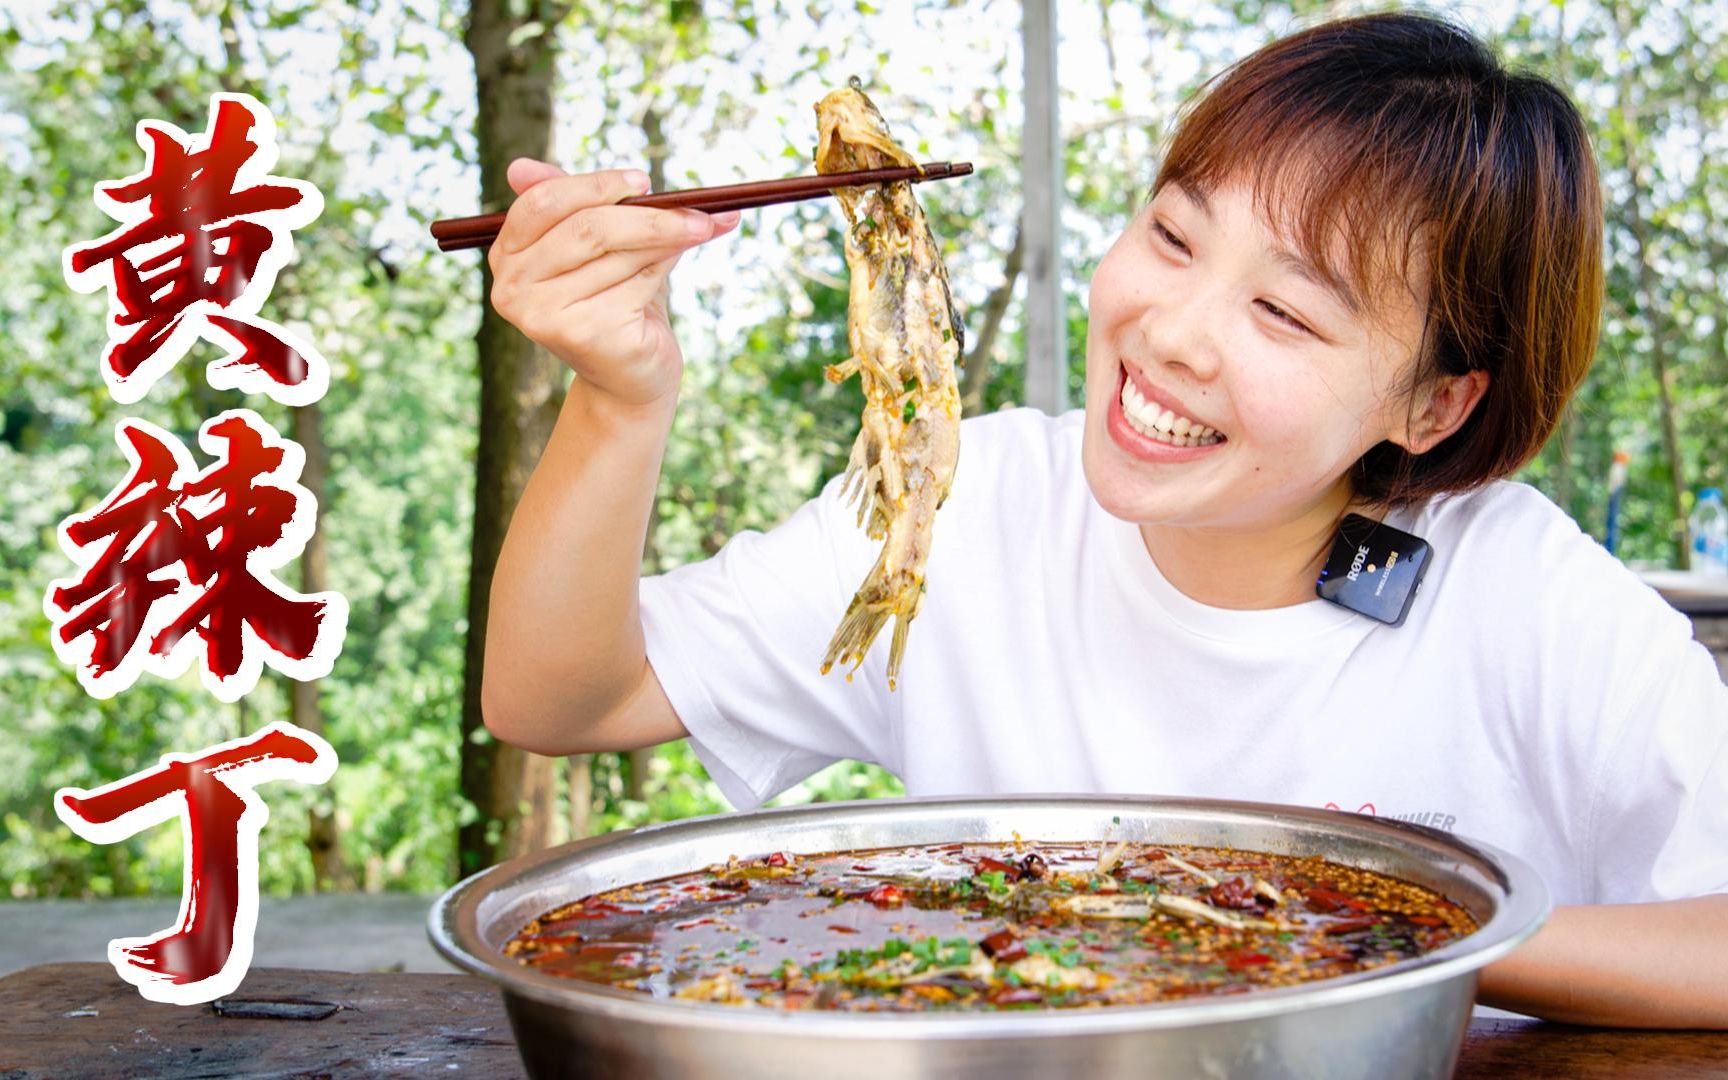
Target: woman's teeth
<point>1162,424</point>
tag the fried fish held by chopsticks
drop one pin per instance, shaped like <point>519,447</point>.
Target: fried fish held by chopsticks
<point>906,344</point>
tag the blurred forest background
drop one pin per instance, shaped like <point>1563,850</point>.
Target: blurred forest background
<point>435,413</point>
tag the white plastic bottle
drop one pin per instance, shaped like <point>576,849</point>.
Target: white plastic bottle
<point>1709,527</point>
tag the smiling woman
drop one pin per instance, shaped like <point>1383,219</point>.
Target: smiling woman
<point>1367,280</point>
<point>1370,273</point>
<point>1228,390</point>
<point>1393,159</point>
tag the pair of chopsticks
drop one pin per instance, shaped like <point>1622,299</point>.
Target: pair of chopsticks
<point>458,234</point>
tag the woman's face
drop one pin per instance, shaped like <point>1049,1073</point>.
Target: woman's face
<point>1250,387</point>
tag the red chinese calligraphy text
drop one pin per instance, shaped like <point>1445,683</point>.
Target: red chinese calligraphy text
<point>205,229</point>
<point>214,794</point>
<point>175,559</point>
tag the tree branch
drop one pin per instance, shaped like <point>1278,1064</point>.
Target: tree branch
<point>976,375</point>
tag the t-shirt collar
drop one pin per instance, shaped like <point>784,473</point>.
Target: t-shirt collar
<point>1292,624</point>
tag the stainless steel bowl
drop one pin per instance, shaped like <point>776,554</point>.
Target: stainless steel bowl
<point>1405,1020</point>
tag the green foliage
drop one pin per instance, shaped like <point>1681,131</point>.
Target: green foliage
<point>395,325</point>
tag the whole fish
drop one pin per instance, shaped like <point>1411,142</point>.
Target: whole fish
<point>906,342</point>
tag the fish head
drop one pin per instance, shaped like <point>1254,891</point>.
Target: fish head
<point>851,134</point>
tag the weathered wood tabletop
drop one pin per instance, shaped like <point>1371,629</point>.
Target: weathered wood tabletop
<point>80,1020</point>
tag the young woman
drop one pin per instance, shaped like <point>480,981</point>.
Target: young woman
<point>1368,280</point>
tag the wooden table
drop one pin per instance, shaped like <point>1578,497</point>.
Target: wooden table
<point>80,1020</point>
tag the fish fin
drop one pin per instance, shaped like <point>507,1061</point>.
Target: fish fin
<point>902,623</point>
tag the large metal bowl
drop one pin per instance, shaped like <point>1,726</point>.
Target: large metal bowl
<point>1405,1020</point>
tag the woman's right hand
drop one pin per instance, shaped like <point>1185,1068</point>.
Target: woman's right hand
<point>587,279</point>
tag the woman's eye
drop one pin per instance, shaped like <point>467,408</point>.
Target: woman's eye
<point>1279,313</point>
<point>1168,237</point>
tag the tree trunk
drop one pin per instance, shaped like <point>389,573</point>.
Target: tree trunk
<point>653,131</point>
<point>1649,305</point>
<point>1129,164</point>
<point>579,786</point>
<point>521,387</point>
<point>323,838</point>
<point>976,375</point>
<point>1562,481</point>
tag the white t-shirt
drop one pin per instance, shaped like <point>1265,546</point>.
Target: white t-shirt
<point>1539,696</point>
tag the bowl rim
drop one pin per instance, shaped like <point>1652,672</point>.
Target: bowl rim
<point>1523,905</point>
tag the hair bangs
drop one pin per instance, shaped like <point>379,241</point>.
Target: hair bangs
<point>1348,182</point>
<point>1394,151</point>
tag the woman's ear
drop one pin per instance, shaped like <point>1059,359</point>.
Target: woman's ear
<point>1445,404</point>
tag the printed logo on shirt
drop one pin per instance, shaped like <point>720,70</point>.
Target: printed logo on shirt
<point>1365,808</point>
<point>1434,819</point>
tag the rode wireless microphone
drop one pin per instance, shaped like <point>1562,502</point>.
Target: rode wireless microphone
<point>1374,569</point>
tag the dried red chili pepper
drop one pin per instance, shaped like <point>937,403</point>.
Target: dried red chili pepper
<point>1015,995</point>
<point>987,865</point>
<point>1235,893</point>
<point>886,896</point>
<point>1003,947</point>
<point>1326,901</point>
<point>1350,926</point>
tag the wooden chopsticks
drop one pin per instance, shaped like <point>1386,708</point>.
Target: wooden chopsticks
<point>458,234</point>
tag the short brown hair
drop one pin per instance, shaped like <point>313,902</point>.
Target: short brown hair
<point>1402,133</point>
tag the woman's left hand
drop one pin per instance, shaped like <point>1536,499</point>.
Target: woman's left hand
<point>1654,965</point>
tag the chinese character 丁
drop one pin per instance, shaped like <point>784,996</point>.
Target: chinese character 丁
<point>214,794</point>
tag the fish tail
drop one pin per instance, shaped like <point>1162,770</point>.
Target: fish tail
<point>897,646</point>
<point>876,601</point>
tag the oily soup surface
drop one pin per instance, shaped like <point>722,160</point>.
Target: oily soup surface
<point>990,927</point>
